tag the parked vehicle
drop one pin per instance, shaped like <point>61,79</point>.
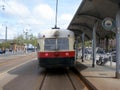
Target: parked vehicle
<point>112,55</point>
<point>2,51</point>
<point>88,52</point>
<point>100,53</point>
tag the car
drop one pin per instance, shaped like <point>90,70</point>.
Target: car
<point>2,51</point>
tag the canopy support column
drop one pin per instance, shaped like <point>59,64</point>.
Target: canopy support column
<point>106,45</point>
<point>94,44</point>
<point>118,45</point>
<point>83,48</point>
<point>76,48</point>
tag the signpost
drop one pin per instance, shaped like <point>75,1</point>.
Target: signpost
<point>110,25</point>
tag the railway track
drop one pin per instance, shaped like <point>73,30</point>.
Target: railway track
<point>62,79</point>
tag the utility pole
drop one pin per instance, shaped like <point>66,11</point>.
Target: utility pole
<point>5,37</point>
<point>6,33</point>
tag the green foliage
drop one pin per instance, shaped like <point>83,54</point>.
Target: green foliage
<point>5,45</point>
<point>87,44</point>
<point>20,40</point>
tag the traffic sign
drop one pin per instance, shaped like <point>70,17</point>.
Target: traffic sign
<point>108,24</point>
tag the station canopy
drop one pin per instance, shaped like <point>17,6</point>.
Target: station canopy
<point>91,11</point>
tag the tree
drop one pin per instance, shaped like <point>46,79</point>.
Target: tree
<point>20,40</point>
<point>32,40</point>
<point>5,44</point>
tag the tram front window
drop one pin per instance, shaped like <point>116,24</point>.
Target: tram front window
<point>56,44</point>
<point>62,43</point>
<point>50,44</point>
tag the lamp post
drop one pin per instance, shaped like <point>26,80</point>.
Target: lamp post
<point>6,33</point>
<point>26,37</point>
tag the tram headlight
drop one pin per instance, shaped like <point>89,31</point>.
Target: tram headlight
<point>67,54</point>
<point>46,54</point>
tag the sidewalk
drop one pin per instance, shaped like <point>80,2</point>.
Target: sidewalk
<point>99,77</point>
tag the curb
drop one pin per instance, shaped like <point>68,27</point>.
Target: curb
<point>86,82</point>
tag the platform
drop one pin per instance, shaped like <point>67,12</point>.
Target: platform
<point>99,77</point>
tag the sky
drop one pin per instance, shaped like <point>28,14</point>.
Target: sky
<point>34,16</point>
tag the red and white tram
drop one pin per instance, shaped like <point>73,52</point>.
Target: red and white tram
<point>56,48</point>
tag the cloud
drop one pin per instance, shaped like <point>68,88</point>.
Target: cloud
<point>64,20</point>
<point>30,21</point>
<point>13,8</point>
<point>40,16</point>
<point>66,17</point>
<point>10,32</point>
<point>43,11</point>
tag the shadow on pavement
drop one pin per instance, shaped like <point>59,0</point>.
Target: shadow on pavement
<point>81,66</point>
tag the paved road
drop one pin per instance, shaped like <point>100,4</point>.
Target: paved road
<point>25,75</point>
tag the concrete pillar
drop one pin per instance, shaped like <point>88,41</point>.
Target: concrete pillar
<point>118,44</point>
<point>94,44</point>
<point>76,47</point>
<point>106,44</point>
<point>83,48</point>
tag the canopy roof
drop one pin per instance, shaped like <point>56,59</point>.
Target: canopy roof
<point>91,11</point>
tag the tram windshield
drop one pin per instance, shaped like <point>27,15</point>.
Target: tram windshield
<point>56,44</point>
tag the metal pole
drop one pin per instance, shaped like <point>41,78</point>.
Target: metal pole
<point>56,16</point>
<point>106,45</point>
<point>83,48</point>
<point>26,33</point>
<point>6,33</point>
<point>76,48</point>
<point>94,44</point>
<point>5,37</point>
<point>56,13</point>
<point>118,45</point>
<point>111,60</point>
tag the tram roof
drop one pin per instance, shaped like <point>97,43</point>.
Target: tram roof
<point>88,12</point>
<point>55,32</point>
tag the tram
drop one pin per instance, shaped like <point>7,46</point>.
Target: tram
<point>56,48</point>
